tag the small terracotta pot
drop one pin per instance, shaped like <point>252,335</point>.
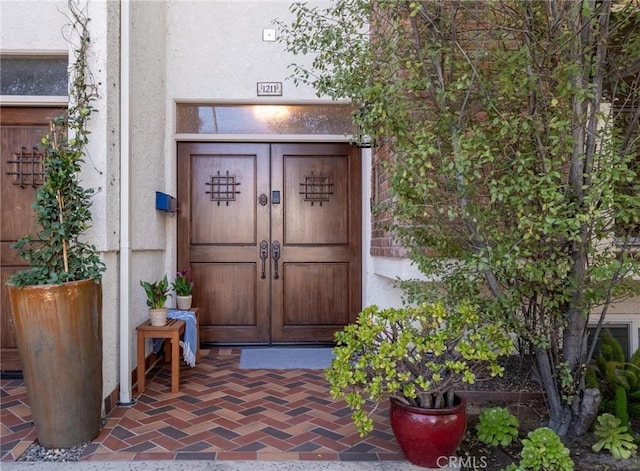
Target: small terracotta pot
<point>428,437</point>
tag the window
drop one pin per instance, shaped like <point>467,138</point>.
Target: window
<point>335,119</point>
<point>34,76</point>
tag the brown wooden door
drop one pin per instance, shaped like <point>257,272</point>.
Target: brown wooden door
<point>20,176</point>
<point>272,233</point>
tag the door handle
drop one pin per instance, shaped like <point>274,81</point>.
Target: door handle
<point>275,253</point>
<point>264,253</point>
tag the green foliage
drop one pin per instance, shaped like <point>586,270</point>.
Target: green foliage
<point>157,292</point>
<point>62,205</point>
<point>614,437</point>
<point>506,154</point>
<point>543,451</point>
<point>497,426</point>
<point>417,354</point>
<point>618,380</point>
<point>183,285</point>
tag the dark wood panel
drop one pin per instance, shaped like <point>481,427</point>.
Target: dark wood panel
<point>219,284</point>
<point>18,191</point>
<point>29,116</point>
<point>7,330</point>
<point>315,196</point>
<point>221,243</point>
<point>319,290</point>
<point>325,301</point>
<point>231,182</point>
<point>19,127</point>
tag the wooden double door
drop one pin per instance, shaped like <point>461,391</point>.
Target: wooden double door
<point>272,234</point>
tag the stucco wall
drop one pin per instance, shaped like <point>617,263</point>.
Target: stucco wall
<point>32,25</point>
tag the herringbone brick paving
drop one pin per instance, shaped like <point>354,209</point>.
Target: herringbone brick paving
<point>220,413</point>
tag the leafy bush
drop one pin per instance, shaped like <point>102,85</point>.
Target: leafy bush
<point>497,426</point>
<point>419,355</point>
<point>543,451</point>
<point>613,437</point>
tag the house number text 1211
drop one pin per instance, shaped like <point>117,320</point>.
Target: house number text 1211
<point>269,88</point>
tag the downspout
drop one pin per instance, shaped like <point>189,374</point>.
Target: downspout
<point>125,245</point>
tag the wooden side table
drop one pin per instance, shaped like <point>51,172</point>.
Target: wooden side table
<point>172,331</point>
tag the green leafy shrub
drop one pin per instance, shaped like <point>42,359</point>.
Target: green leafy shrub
<point>419,355</point>
<point>613,436</point>
<point>543,451</point>
<point>60,253</point>
<point>497,426</point>
<point>617,380</point>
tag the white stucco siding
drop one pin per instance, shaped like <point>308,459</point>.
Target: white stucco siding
<point>32,26</point>
<point>216,51</point>
<point>149,156</point>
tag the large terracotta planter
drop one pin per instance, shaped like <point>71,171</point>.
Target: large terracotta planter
<point>428,437</point>
<point>59,338</point>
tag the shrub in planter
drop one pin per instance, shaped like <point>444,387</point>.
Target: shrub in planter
<point>56,304</point>
<point>417,356</point>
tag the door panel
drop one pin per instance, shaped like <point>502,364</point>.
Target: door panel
<point>222,188</point>
<point>324,302</point>
<point>320,225</point>
<point>249,291</point>
<point>316,209</point>
<point>220,224</point>
<point>20,176</point>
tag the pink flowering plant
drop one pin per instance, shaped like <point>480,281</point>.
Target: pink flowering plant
<point>183,285</point>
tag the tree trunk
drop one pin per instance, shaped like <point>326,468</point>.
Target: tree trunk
<point>560,414</point>
<point>587,410</point>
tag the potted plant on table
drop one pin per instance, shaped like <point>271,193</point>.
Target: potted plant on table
<point>183,286</point>
<point>56,304</point>
<point>157,293</point>
<point>417,357</point>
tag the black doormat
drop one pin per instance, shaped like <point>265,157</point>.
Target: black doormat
<point>11,374</point>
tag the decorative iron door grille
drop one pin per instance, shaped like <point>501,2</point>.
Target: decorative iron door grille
<point>223,188</point>
<point>316,189</point>
<point>27,168</point>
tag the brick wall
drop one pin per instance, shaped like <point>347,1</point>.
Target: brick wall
<point>383,243</point>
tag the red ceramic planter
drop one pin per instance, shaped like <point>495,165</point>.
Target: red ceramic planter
<point>428,437</point>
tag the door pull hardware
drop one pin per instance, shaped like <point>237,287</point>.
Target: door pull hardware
<point>263,199</point>
<point>275,253</point>
<point>264,253</point>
